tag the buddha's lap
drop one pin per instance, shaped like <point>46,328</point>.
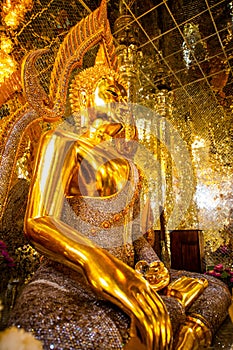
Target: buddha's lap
<point>62,310</point>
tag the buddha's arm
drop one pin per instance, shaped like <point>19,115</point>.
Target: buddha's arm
<point>110,277</point>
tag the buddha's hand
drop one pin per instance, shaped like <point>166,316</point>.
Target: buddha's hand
<point>155,273</point>
<point>187,289</point>
<point>128,289</point>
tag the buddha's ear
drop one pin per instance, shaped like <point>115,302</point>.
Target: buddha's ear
<point>83,99</point>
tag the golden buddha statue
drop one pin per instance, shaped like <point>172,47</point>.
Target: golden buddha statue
<point>87,199</point>
<point>100,284</point>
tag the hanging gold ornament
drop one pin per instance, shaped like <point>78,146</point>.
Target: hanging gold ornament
<point>13,11</point>
<point>7,63</point>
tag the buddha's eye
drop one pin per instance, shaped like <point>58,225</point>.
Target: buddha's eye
<point>113,93</point>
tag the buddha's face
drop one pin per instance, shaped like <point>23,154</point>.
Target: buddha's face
<point>107,106</point>
<point>108,91</point>
<point>103,105</point>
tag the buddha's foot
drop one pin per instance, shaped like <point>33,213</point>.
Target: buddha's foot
<point>192,335</point>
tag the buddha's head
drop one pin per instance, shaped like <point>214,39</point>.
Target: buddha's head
<point>98,95</point>
<point>95,87</point>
